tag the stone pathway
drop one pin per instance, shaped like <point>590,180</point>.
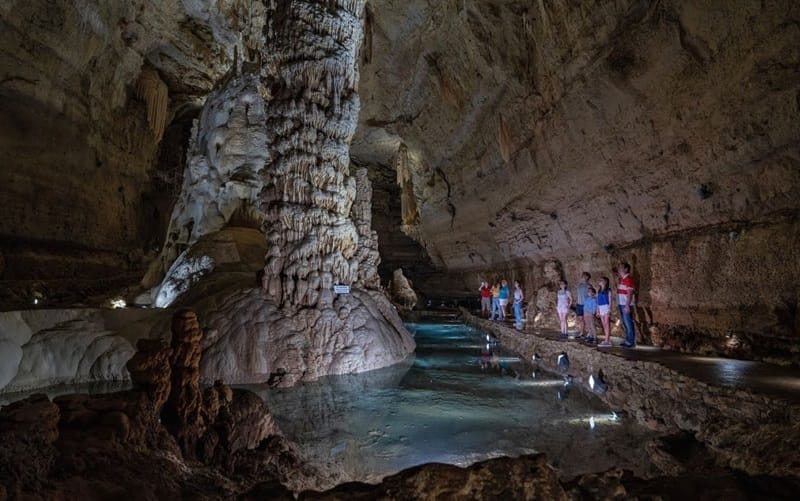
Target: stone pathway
<point>759,377</point>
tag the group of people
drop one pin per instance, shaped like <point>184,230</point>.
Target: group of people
<point>494,301</point>
<point>589,303</point>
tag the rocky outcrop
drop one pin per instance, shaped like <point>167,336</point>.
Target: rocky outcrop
<point>308,194</point>
<point>79,187</point>
<point>527,477</point>
<point>71,346</point>
<point>126,438</point>
<point>222,178</point>
<point>401,291</point>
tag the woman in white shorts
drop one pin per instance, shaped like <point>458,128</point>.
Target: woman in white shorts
<point>564,301</point>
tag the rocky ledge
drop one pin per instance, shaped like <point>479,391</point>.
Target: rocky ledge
<point>749,432</point>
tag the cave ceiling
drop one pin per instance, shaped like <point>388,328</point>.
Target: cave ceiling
<point>528,129</point>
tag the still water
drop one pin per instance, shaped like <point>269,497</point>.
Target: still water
<point>443,406</point>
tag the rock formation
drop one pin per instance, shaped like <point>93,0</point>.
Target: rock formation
<point>222,176</point>
<point>594,134</point>
<point>117,441</point>
<point>312,56</point>
<point>401,291</point>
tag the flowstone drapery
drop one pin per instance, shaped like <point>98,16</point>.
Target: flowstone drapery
<point>312,50</point>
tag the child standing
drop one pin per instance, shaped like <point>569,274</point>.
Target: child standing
<point>603,310</point>
<point>589,311</point>
<point>564,301</point>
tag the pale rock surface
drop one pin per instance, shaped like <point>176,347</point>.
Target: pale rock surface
<point>249,339</point>
<point>47,347</point>
<point>222,176</point>
<point>401,291</point>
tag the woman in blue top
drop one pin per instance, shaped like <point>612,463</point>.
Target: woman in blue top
<point>503,298</point>
<point>603,310</point>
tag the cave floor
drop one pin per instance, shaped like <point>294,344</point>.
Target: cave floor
<point>758,377</point>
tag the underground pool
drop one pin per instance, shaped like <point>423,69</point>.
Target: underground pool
<point>453,403</point>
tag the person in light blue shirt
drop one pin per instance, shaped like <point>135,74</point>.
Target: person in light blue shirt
<point>589,312</point>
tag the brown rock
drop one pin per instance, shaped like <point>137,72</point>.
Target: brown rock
<point>182,415</point>
<point>150,369</point>
<point>526,477</point>
<point>28,430</point>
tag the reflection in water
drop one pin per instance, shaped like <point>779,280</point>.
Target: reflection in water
<point>94,388</point>
<point>458,401</point>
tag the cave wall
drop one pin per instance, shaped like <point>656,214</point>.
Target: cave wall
<point>79,197</point>
<point>587,133</point>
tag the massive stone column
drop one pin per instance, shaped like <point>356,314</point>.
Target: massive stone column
<point>311,49</point>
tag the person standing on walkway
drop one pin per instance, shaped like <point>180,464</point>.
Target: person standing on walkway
<point>563,302</point>
<point>589,311</point>
<point>625,292</point>
<point>518,297</point>
<point>495,290</point>
<point>486,299</point>
<point>503,298</point>
<point>580,297</point>
<point>604,310</point>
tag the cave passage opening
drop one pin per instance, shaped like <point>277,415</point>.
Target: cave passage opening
<point>441,406</point>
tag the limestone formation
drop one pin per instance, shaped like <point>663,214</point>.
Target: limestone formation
<point>71,346</point>
<point>401,291</point>
<point>182,415</point>
<point>312,54</point>
<point>222,177</point>
<point>150,369</point>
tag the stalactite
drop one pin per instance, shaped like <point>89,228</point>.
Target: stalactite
<point>153,91</point>
<point>504,139</point>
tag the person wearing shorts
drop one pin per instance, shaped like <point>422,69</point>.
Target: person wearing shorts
<point>604,310</point>
<point>580,297</point>
<point>503,298</point>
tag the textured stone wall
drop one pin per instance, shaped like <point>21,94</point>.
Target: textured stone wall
<point>77,148</point>
<point>588,133</point>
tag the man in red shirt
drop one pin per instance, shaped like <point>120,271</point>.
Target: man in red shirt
<point>625,291</point>
<point>486,299</point>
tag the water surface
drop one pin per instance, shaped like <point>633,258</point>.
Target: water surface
<point>442,406</point>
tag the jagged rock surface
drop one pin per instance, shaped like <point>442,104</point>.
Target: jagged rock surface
<point>401,291</point>
<point>222,176</point>
<point>665,134</point>
<point>106,445</point>
<point>312,241</point>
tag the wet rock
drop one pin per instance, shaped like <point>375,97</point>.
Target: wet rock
<point>526,477</point>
